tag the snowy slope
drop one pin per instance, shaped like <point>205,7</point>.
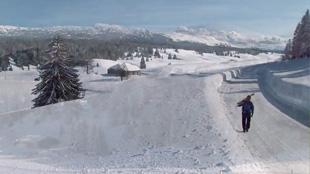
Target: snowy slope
<point>16,86</point>
<point>190,62</point>
<point>174,118</point>
<point>141,131</point>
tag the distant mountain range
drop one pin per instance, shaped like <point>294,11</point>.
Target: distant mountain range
<point>231,38</point>
<point>110,32</point>
<point>103,31</point>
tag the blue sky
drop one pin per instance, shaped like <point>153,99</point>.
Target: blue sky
<point>262,16</point>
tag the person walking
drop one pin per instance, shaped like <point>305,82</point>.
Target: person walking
<point>247,112</point>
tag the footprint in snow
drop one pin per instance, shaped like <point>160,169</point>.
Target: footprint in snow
<point>211,153</point>
<point>209,127</point>
<point>176,152</point>
<point>220,164</point>
<point>185,136</point>
<point>197,147</point>
<point>196,161</point>
<point>226,153</point>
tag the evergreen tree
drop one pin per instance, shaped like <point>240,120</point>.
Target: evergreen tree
<point>169,56</point>
<point>300,46</point>
<point>59,82</point>
<point>129,54</point>
<point>4,63</point>
<point>156,54</point>
<point>10,68</point>
<point>174,56</point>
<point>288,49</point>
<point>150,51</point>
<point>142,63</point>
<point>305,36</point>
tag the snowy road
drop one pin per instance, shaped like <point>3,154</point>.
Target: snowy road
<point>279,142</point>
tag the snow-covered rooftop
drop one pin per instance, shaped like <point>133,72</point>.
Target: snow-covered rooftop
<point>126,67</point>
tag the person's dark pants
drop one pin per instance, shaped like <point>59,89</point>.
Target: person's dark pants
<point>246,119</point>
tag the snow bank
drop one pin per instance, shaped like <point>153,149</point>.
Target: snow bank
<point>301,76</point>
<point>15,90</point>
<point>130,127</point>
<point>284,84</point>
<point>272,118</point>
<point>292,98</point>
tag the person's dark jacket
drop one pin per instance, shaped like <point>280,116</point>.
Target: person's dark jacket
<point>247,107</point>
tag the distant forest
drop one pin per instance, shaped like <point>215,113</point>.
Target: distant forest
<point>32,51</point>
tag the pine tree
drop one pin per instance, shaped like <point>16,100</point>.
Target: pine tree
<point>156,54</point>
<point>169,56</point>
<point>142,63</point>
<point>300,46</point>
<point>174,56</point>
<point>59,82</point>
<point>4,63</point>
<point>288,49</point>
<point>129,54</point>
<point>150,51</point>
<point>305,36</point>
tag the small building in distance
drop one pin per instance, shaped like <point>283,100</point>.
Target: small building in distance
<point>124,70</point>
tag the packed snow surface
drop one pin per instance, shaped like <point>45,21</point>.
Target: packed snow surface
<point>179,116</point>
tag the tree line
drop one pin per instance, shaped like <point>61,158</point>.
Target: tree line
<point>31,51</point>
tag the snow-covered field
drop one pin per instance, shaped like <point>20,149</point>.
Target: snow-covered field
<point>179,116</point>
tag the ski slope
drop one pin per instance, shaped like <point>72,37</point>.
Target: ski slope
<point>176,118</point>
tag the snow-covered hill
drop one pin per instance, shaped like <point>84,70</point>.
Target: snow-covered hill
<point>232,38</point>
